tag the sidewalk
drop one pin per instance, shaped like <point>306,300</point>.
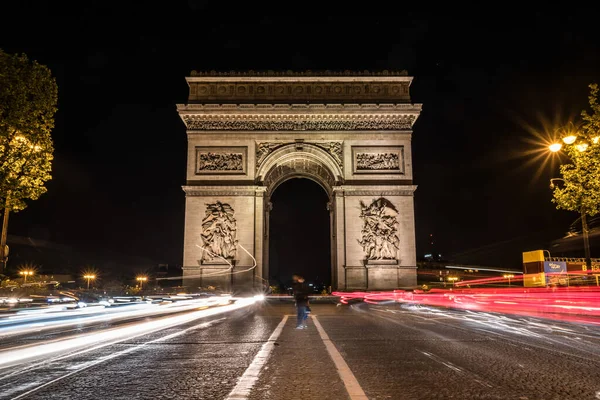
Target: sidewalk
<point>299,368</point>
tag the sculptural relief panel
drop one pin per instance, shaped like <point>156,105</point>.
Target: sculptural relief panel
<point>219,233</point>
<point>378,159</point>
<point>379,238</point>
<point>221,160</point>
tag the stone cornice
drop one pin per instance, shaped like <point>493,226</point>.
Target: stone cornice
<point>299,122</point>
<point>374,190</point>
<point>224,190</point>
<point>348,108</point>
<point>299,89</point>
<point>289,73</point>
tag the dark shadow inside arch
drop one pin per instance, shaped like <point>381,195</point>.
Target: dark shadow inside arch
<point>299,234</point>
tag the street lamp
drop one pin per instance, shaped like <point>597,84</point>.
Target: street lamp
<point>508,276</point>
<point>89,278</point>
<point>25,274</point>
<point>141,280</point>
<point>453,279</point>
<point>580,179</point>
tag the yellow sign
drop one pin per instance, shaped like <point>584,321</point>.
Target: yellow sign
<point>533,256</point>
<point>534,280</point>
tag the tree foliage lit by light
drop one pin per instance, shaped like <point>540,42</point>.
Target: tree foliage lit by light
<point>28,97</point>
<point>581,189</point>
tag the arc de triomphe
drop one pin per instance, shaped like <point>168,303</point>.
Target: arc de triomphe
<point>349,132</point>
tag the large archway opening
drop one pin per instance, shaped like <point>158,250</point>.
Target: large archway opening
<point>299,234</point>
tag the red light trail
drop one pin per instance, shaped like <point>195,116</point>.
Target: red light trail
<point>575,304</point>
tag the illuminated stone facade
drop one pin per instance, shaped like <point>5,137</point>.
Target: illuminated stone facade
<point>349,132</point>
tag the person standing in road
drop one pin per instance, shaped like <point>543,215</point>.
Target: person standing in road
<point>301,298</point>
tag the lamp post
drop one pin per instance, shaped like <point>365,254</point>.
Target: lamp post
<point>25,274</point>
<point>453,279</point>
<point>141,280</point>
<point>577,178</point>
<point>89,278</point>
<point>508,276</point>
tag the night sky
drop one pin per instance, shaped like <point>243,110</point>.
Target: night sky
<point>487,82</point>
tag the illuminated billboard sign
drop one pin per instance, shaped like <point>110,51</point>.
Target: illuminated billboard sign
<point>555,267</point>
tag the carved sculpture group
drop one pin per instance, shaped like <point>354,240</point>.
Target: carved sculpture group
<point>219,232</point>
<point>377,162</point>
<point>220,162</point>
<point>379,233</point>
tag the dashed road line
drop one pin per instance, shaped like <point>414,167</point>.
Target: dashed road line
<point>241,391</point>
<point>352,386</point>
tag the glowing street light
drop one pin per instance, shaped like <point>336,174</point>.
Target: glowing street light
<point>554,147</point>
<point>141,280</point>
<point>25,274</point>
<point>508,276</point>
<point>89,278</point>
<point>579,193</point>
<point>452,279</point>
<point>569,139</point>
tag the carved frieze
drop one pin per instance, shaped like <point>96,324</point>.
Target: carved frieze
<point>334,148</point>
<point>296,122</point>
<point>219,233</point>
<point>378,159</point>
<point>379,239</point>
<point>221,160</point>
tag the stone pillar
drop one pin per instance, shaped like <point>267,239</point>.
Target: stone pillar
<point>340,242</point>
<point>259,228</point>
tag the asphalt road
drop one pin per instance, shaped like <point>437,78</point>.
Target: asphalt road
<point>383,352</point>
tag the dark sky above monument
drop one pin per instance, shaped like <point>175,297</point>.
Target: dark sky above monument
<point>487,81</point>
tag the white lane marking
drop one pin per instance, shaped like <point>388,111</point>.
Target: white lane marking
<point>89,364</point>
<point>241,391</point>
<point>352,387</point>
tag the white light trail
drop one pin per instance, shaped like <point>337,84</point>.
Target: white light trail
<point>111,336</point>
<point>22,324</point>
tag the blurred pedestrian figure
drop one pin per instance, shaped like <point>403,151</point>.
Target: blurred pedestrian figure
<point>301,297</point>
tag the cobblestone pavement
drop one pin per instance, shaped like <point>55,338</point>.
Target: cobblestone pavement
<point>393,351</point>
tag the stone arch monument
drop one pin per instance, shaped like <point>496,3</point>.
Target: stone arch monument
<point>349,132</point>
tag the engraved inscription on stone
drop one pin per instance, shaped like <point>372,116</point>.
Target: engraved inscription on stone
<point>379,232</point>
<point>219,233</point>
<point>377,162</point>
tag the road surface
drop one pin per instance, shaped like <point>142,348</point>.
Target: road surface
<point>357,351</point>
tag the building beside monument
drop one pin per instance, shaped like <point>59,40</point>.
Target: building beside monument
<point>348,132</point>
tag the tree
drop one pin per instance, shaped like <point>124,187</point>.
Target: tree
<point>581,177</point>
<point>28,97</point>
